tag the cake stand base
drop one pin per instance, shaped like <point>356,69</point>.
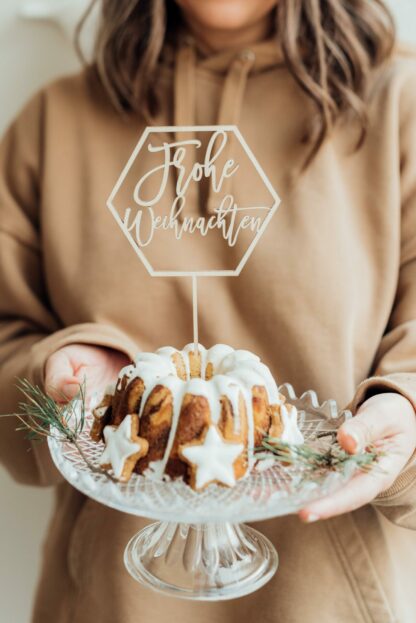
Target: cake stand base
<point>206,562</point>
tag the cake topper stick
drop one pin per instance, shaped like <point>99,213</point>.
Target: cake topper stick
<point>195,311</point>
<point>155,202</point>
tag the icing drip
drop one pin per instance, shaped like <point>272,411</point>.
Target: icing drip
<point>99,412</point>
<point>110,389</point>
<point>291,432</point>
<point>118,446</point>
<point>214,459</point>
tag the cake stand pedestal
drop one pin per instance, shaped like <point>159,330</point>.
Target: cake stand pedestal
<point>207,562</point>
<point>199,548</point>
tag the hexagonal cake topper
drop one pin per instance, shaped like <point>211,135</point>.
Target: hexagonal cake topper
<point>193,201</point>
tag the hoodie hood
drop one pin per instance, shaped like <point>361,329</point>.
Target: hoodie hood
<point>234,68</point>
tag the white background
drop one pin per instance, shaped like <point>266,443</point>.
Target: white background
<point>32,53</point>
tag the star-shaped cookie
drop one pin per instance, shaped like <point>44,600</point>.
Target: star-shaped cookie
<point>123,448</point>
<point>212,460</point>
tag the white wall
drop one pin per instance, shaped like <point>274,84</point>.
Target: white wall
<point>405,13</point>
<point>31,54</point>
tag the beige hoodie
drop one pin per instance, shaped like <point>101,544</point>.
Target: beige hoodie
<point>328,300</point>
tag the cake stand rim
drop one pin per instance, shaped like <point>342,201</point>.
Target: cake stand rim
<point>197,518</point>
<point>250,513</point>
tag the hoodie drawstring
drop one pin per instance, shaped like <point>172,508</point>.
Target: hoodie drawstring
<point>229,113</point>
<point>184,114</point>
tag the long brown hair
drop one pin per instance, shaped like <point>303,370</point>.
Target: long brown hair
<point>329,46</point>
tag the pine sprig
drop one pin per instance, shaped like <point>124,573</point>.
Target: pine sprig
<point>41,417</point>
<point>317,460</point>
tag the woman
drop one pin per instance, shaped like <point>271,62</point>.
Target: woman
<point>328,299</point>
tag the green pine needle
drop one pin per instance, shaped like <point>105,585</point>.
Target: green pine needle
<point>315,460</point>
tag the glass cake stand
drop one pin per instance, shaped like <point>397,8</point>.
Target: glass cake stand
<point>200,548</point>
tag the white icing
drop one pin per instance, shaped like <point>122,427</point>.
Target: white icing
<point>99,412</point>
<point>110,389</point>
<point>213,459</point>
<point>291,433</point>
<point>235,373</point>
<point>95,399</point>
<point>118,446</point>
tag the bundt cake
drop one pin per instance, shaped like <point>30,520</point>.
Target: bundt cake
<point>195,415</point>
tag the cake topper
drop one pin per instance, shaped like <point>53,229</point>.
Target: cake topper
<point>193,201</point>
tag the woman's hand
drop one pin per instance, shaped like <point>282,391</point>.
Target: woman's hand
<point>71,365</point>
<point>387,421</point>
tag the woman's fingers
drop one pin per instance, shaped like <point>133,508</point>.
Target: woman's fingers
<point>386,421</point>
<point>380,417</point>
<point>60,381</point>
<point>361,489</point>
<point>75,364</point>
